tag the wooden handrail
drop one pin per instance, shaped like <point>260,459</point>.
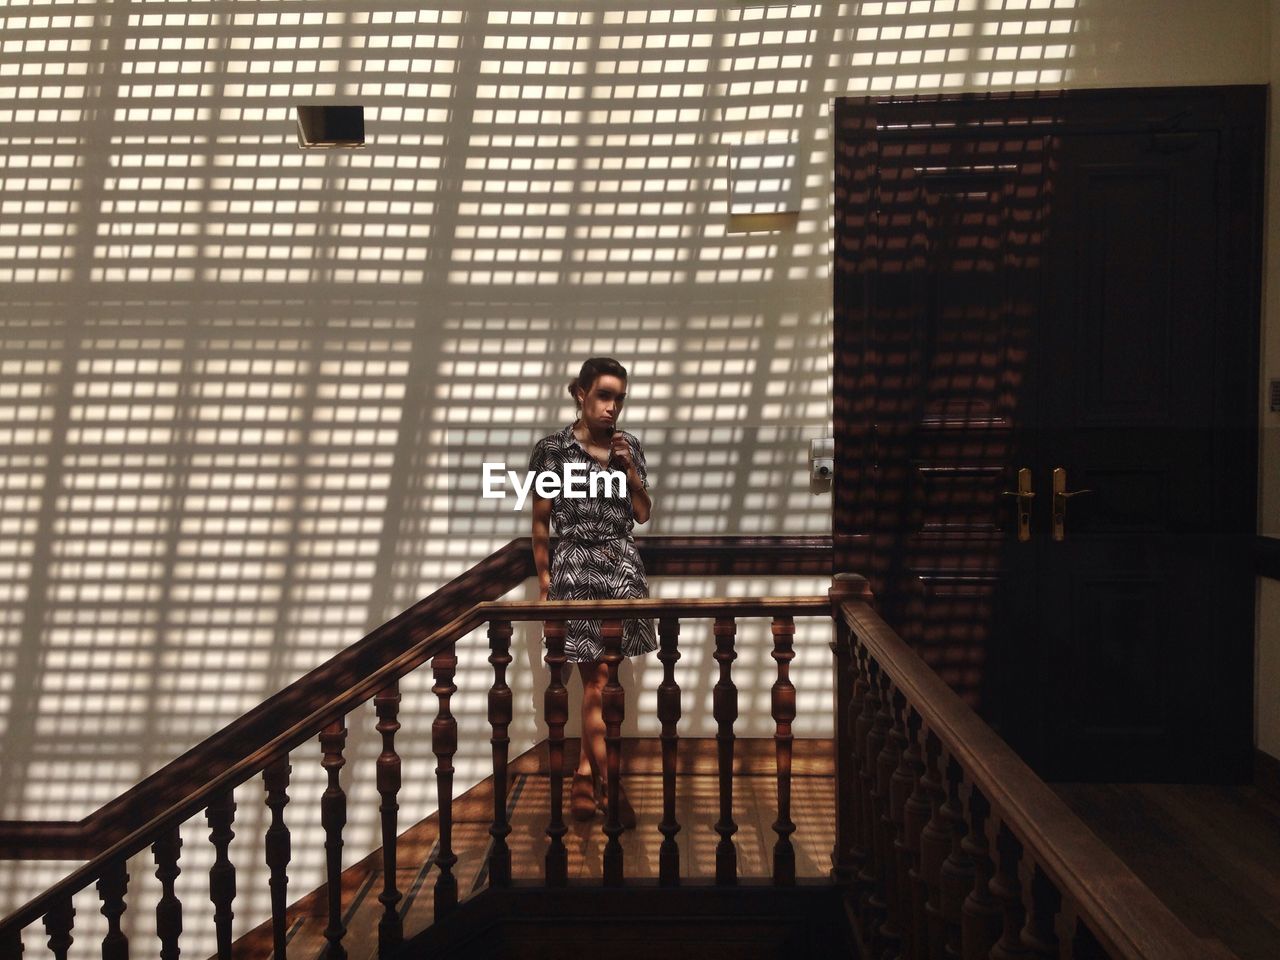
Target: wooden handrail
<point>1122,913</point>
<point>489,579</point>
<point>694,608</point>
<point>364,688</point>
<point>493,576</point>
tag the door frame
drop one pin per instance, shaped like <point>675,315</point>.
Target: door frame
<point>1239,114</point>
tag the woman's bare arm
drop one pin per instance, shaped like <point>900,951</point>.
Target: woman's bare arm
<point>542,543</point>
<point>641,505</point>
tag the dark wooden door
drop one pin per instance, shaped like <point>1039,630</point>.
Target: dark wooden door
<point>1058,282</point>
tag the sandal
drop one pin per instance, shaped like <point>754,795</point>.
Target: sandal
<point>582,797</point>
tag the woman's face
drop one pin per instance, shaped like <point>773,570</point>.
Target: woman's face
<point>602,405</point>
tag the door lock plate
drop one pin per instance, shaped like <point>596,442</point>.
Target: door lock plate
<point>1024,495</point>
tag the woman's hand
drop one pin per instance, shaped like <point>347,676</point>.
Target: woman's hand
<point>621,451</point>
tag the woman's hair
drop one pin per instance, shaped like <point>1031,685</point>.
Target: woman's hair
<point>593,368</point>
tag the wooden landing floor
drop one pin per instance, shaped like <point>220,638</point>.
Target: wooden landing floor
<point>1211,853</point>
<point>697,809</point>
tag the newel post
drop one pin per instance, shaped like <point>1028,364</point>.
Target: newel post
<point>846,857</point>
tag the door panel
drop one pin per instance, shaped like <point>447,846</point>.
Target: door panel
<point>956,226</point>
<point>1124,281</point>
<point>1117,678</point>
<point>1128,337</point>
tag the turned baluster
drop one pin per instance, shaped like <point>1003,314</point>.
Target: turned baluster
<point>956,874</point>
<point>11,943</point>
<point>222,875</point>
<point>165,850</point>
<point>333,817</point>
<point>669,715</point>
<point>843,673</point>
<point>275,778</point>
<point>112,886</point>
<point>916,810</point>
<point>724,708</point>
<point>611,709</point>
<point>783,702</point>
<point>500,703</point>
<point>868,694</point>
<point>887,765</point>
<point>875,724</point>
<point>1038,934</point>
<point>935,844</point>
<point>849,690</point>
<point>876,908</point>
<point>444,744</point>
<point>387,706</point>
<point>556,709</point>
<point>859,724</point>
<point>57,924</point>
<point>980,914</point>
<point>1006,887</point>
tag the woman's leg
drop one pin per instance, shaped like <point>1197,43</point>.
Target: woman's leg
<point>592,756</point>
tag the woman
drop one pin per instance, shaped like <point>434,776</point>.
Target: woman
<point>596,557</point>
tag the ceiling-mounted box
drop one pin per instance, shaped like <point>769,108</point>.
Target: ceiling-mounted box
<point>321,125</point>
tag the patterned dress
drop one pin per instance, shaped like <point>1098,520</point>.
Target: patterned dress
<point>596,556</point>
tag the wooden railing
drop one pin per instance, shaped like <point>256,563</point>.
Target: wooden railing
<point>491,578</point>
<point>271,761</point>
<point>949,844</point>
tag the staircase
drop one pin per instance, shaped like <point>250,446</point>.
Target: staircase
<point>943,842</point>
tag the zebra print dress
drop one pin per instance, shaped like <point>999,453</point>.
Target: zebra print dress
<point>596,556</point>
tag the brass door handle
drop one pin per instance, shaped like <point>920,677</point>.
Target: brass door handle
<point>1024,494</point>
<point>1060,497</point>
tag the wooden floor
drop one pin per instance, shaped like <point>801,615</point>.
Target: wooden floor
<point>1210,853</point>
<point>697,809</point>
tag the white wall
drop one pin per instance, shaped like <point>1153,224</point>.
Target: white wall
<point>241,376</point>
